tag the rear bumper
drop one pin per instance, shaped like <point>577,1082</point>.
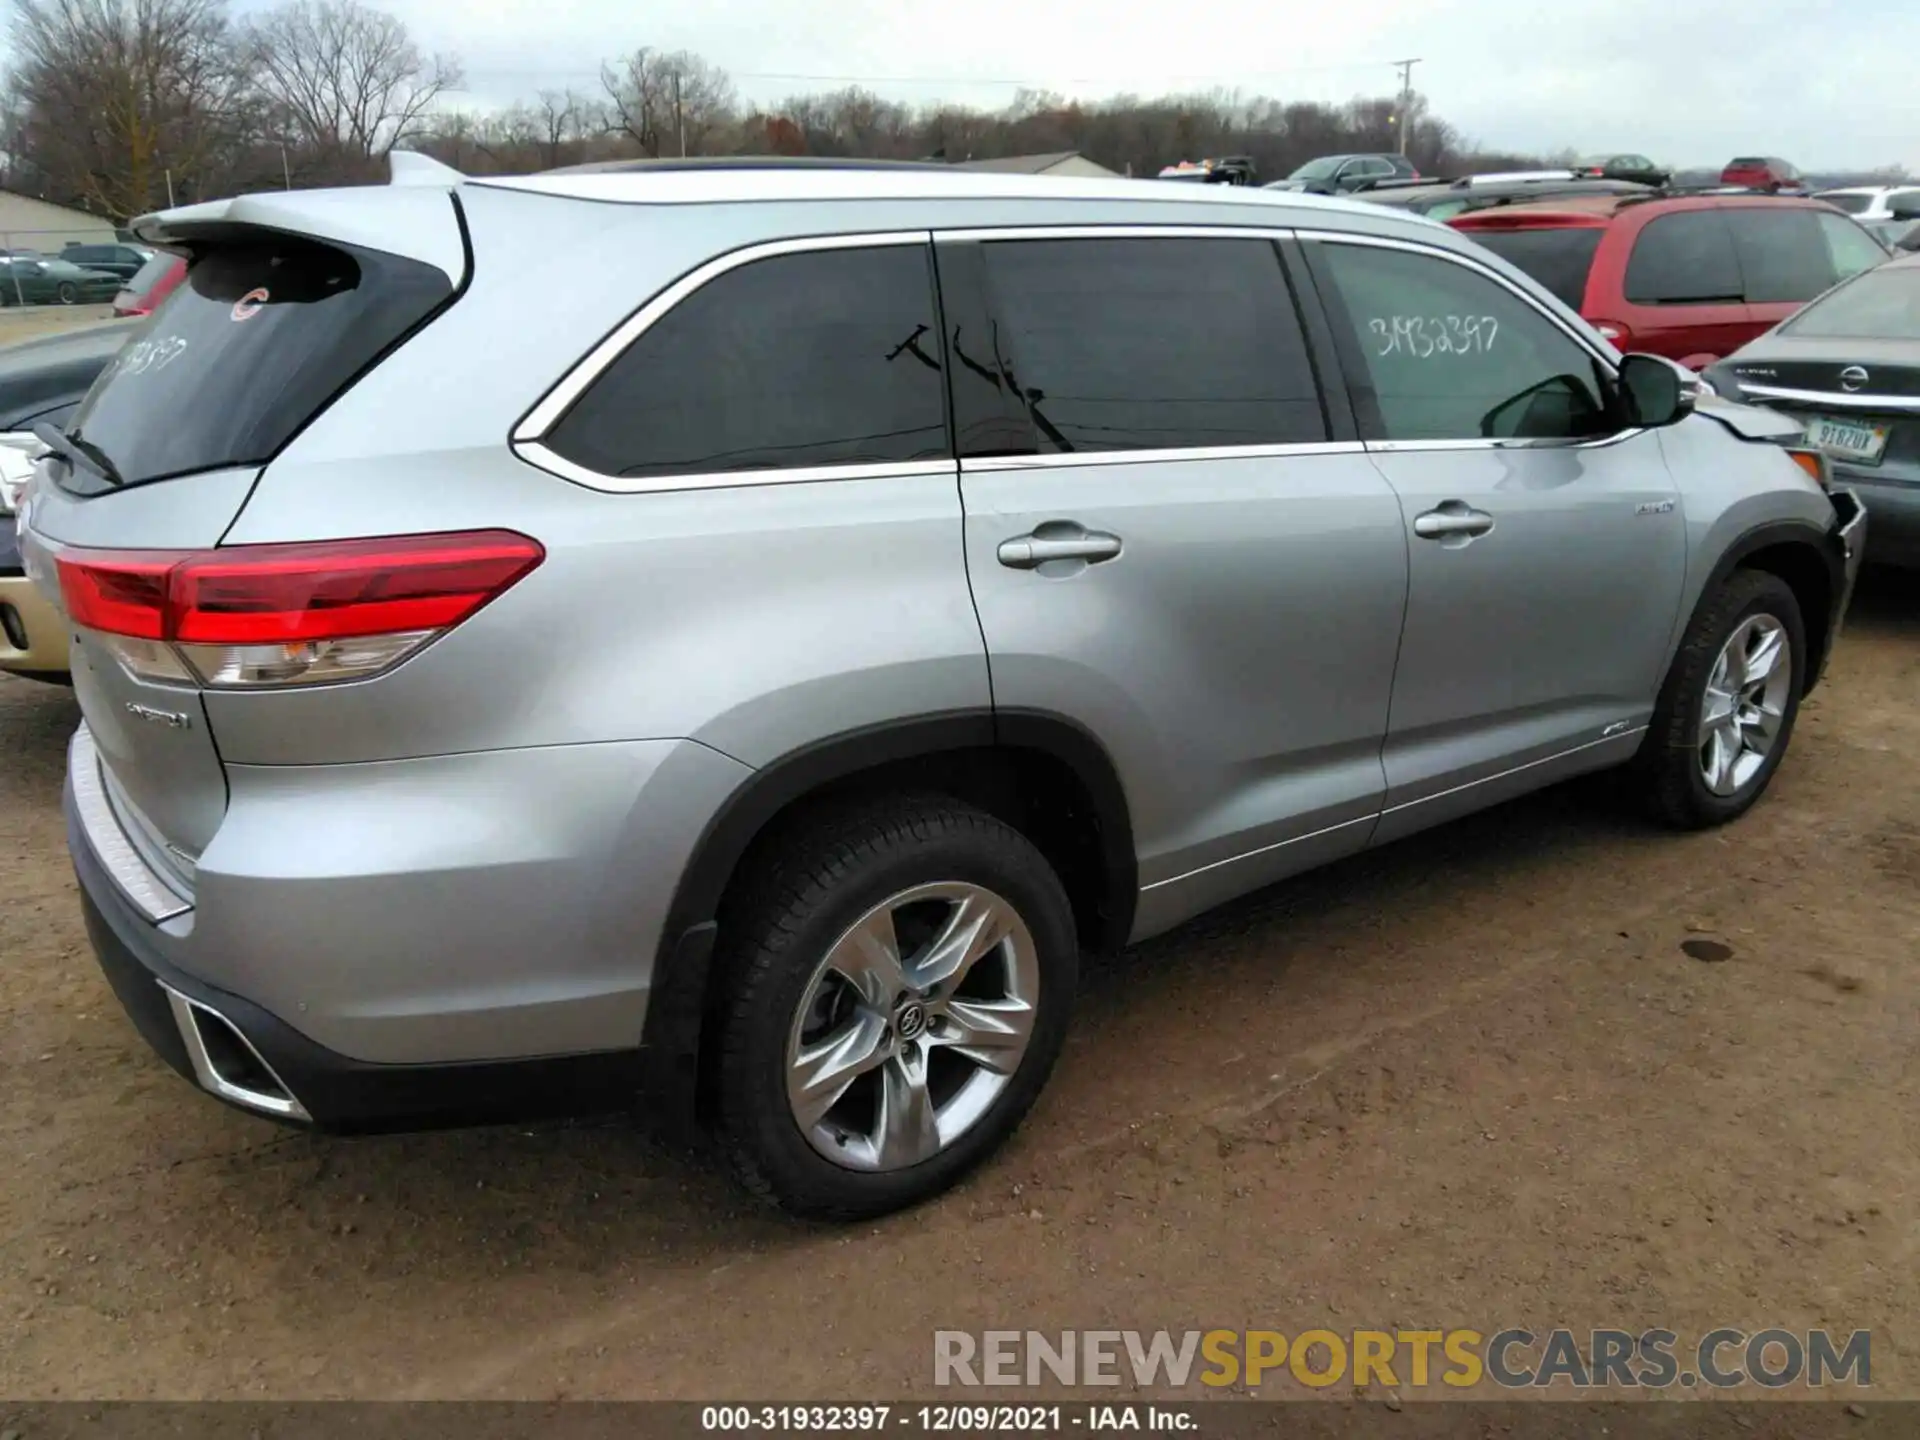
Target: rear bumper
<point>33,635</point>
<point>464,938</point>
<point>192,1026</point>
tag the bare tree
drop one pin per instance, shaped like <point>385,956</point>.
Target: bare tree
<point>349,79</point>
<point>118,102</point>
<point>669,103</point>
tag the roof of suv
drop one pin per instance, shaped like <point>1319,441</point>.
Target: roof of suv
<point>735,185</point>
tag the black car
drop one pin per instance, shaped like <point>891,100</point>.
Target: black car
<point>121,260</point>
<point>1442,200</point>
<point>1623,166</point>
<point>1847,367</point>
<point>1344,174</point>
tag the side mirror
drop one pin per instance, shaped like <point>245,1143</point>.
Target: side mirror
<point>1655,391</point>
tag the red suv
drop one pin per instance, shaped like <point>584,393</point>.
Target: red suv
<point>1762,172</point>
<point>1692,277</point>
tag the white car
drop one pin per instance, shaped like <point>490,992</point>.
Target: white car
<point>1869,203</point>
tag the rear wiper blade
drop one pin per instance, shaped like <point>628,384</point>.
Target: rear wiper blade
<point>67,446</point>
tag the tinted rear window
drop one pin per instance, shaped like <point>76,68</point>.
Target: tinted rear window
<point>1684,259</point>
<point>246,350</point>
<point>828,357</point>
<point>1558,258</point>
<point>1783,256</point>
<point>1852,204</point>
<point>1154,344</point>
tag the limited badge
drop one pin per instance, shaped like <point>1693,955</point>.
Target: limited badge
<point>248,305</point>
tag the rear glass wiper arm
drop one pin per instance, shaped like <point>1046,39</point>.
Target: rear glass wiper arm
<point>66,446</point>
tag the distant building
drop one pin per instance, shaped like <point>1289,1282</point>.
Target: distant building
<point>1060,162</point>
<point>30,224</point>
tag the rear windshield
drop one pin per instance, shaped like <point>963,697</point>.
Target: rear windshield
<point>1852,204</point>
<point>1558,257</point>
<point>1879,305</point>
<point>245,351</point>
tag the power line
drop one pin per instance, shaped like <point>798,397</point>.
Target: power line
<point>1032,82</point>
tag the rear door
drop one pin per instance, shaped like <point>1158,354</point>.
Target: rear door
<point>1546,546</point>
<point>1681,292</point>
<point>160,458</point>
<point>1175,544</point>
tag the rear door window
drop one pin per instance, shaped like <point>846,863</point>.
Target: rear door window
<point>1783,257</point>
<point>825,357</point>
<point>1559,257</point>
<point>1148,343</point>
<point>1684,259</point>
<point>248,348</point>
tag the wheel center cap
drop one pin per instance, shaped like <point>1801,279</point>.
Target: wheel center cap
<point>911,1022</point>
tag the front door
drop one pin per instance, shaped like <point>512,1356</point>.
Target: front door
<point>1546,545</point>
<point>1169,548</point>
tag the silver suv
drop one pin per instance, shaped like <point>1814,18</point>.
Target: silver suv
<point>734,637</point>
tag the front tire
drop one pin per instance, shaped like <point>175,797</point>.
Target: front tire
<point>1726,713</point>
<point>67,294</point>
<point>899,979</point>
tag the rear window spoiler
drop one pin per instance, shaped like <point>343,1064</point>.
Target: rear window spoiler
<point>415,216</point>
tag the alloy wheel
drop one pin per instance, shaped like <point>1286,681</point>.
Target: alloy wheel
<point>1745,704</point>
<point>912,1026</point>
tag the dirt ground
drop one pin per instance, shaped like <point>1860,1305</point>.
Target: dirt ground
<point>36,320</point>
<point>1473,1079</point>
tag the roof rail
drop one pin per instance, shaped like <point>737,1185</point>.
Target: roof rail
<point>743,162</point>
<point>1677,192</point>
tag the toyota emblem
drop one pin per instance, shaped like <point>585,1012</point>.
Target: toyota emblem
<point>1853,378</point>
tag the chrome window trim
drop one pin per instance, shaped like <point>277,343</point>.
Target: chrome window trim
<point>539,456</point>
<point>138,881</point>
<point>1400,447</point>
<point>1823,397</point>
<point>1119,230</point>
<point>1072,459</point>
<point>533,427</point>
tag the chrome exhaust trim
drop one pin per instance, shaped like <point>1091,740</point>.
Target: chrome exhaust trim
<point>248,1080</point>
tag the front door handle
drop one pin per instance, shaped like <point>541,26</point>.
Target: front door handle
<point>1057,541</point>
<point>1453,519</point>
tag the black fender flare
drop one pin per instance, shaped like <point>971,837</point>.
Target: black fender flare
<point>679,986</point>
<point>1823,542</point>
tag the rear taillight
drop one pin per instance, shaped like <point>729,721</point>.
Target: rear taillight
<point>260,615</point>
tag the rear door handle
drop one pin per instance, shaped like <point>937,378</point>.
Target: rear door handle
<point>1453,518</point>
<point>1057,542</point>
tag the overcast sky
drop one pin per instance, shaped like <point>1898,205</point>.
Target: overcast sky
<point>1688,81</point>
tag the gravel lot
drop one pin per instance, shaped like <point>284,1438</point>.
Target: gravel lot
<point>1474,1079</point>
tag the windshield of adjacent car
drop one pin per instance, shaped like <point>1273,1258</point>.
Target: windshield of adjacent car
<point>1882,304</point>
<point>1321,169</point>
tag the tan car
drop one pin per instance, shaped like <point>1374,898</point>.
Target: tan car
<point>33,636</point>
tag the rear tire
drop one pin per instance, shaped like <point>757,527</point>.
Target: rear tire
<point>1725,714</point>
<point>67,293</point>
<point>899,976</point>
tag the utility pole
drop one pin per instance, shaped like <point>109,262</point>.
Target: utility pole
<point>679,118</point>
<point>1405,67</point>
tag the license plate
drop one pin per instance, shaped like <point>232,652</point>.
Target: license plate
<point>1848,439</point>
